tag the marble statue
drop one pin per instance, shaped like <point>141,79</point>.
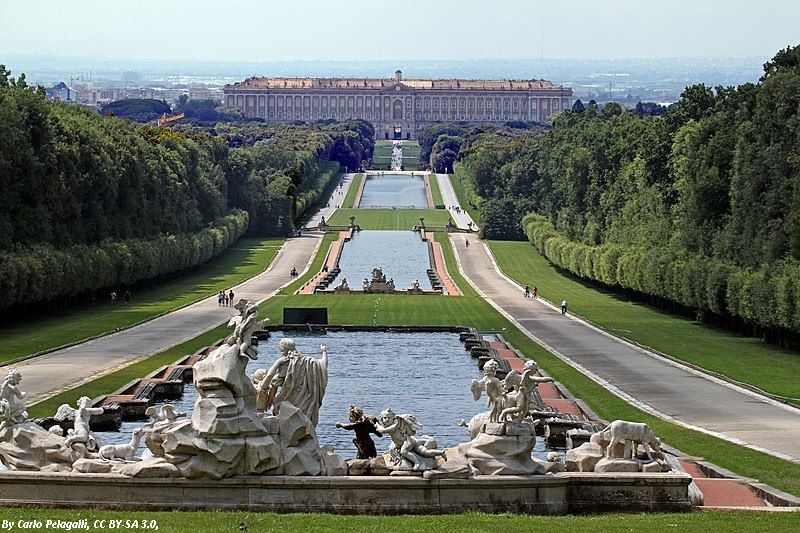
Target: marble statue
<point>628,434</point>
<point>407,452</point>
<point>80,433</point>
<point>513,385</point>
<point>363,425</point>
<point>295,378</point>
<point>490,384</point>
<point>378,275</point>
<point>12,404</point>
<point>415,285</point>
<point>244,325</point>
<point>126,452</point>
<point>163,416</point>
<point>343,286</point>
<point>518,409</point>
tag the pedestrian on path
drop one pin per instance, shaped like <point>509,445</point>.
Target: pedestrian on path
<point>230,297</point>
<point>113,299</point>
<point>535,292</point>
<point>127,297</point>
<point>467,242</point>
<point>563,307</point>
<point>224,299</point>
<point>527,291</point>
<point>219,299</point>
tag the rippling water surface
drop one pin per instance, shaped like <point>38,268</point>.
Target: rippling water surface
<point>426,374</point>
<point>401,254</point>
<point>394,190</point>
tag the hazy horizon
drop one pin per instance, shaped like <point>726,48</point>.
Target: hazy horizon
<point>412,30</point>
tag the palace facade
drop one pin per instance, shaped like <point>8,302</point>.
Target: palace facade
<point>398,108</point>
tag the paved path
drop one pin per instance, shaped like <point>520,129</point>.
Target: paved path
<point>63,369</point>
<point>462,218</point>
<point>653,383</point>
<point>335,202</point>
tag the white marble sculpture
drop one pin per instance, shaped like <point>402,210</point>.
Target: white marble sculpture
<point>627,434</point>
<point>163,416</point>
<point>244,325</point>
<point>343,286</point>
<point>12,400</point>
<point>80,434</point>
<point>126,452</point>
<point>493,388</point>
<point>407,451</point>
<point>295,378</point>
<point>519,398</point>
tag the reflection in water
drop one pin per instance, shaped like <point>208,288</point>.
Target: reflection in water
<point>394,190</point>
<point>426,374</point>
<point>401,254</point>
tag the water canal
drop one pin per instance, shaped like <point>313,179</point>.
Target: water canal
<point>425,374</point>
<point>394,190</point>
<point>402,255</point>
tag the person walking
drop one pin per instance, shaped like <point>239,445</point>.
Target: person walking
<point>127,297</point>
<point>224,299</point>
<point>467,242</point>
<point>535,292</point>
<point>113,299</point>
<point>527,291</point>
<point>563,307</point>
<point>219,299</point>
<point>230,297</point>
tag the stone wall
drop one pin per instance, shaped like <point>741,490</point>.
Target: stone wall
<point>556,494</point>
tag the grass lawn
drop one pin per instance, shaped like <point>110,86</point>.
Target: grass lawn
<point>350,197</point>
<point>402,219</point>
<point>201,521</point>
<point>382,156</point>
<point>435,191</point>
<point>746,359</point>
<point>463,198</point>
<point>244,259</point>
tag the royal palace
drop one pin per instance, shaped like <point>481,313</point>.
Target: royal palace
<point>398,108</point>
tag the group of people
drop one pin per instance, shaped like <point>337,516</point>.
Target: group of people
<point>126,297</point>
<point>535,294</point>
<point>225,299</point>
<point>293,273</point>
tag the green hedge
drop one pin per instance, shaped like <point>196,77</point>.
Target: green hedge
<point>43,273</point>
<point>768,297</point>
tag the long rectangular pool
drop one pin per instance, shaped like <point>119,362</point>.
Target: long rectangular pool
<point>425,374</point>
<point>402,255</point>
<point>394,190</point>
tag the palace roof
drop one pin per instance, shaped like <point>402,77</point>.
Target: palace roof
<point>383,83</point>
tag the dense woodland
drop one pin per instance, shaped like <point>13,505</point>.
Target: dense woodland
<point>697,209</point>
<point>91,201</point>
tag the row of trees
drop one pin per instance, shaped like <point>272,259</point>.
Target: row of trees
<point>96,201</point>
<point>698,204</point>
<point>43,273</point>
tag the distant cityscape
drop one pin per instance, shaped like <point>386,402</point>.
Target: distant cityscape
<point>97,82</point>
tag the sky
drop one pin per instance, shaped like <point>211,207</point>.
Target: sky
<point>365,30</point>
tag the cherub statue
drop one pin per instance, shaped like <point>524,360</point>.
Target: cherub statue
<point>243,327</point>
<point>363,425</point>
<point>295,378</point>
<point>519,389</point>
<point>12,405</point>
<point>490,384</point>
<point>80,434</point>
<point>401,429</point>
<point>161,417</point>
